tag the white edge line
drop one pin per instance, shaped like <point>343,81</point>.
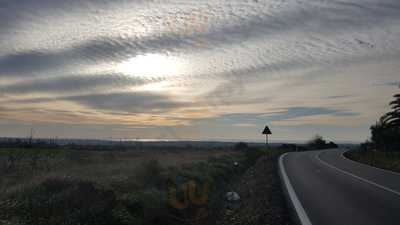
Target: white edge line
<point>301,213</point>
<point>357,177</point>
<point>384,170</point>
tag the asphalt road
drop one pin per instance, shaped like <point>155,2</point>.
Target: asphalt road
<point>332,190</point>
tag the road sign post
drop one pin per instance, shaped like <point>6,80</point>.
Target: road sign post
<point>267,132</point>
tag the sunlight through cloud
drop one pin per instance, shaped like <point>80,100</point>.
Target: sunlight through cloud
<point>152,65</point>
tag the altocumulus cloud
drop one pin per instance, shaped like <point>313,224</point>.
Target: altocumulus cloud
<point>77,83</point>
<point>129,102</point>
<point>282,114</point>
<point>246,58</point>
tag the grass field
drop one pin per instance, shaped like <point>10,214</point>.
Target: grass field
<point>45,186</point>
<point>389,161</point>
<point>35,165</point>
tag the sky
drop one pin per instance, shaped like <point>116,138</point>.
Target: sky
<point>197,70</point>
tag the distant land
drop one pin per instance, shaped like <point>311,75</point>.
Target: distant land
<point>158,142</point>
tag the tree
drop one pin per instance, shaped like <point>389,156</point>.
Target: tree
<point>379,134</point>
<point>332,144</point>
<point>385,134</point>
<point>392,118</point>
<point>318,142</point>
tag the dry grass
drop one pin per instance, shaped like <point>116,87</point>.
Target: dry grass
<point>102,167</point>
<point>389,161</point>
<point>92,187</point>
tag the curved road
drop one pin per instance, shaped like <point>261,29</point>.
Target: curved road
<point>333,190</point>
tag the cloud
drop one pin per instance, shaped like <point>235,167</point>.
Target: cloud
<point>116,103</point>
<point>26,63</point>
<point>129,102</point>
<point>392,84</point>
<point>133,109</point>
<point>339,96</point>
<point>244,125</point>
<point>76,83</point>
<point>298,112</point>
<point>242,58</point>
<point>282,115</point>
<point>320,19</point>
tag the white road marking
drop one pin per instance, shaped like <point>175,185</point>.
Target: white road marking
<point>357,177</point>
<point>301,213</point>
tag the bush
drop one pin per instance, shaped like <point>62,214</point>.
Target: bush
<point>14,159</point>
<point>62,201</point>
<point>150,174</point>
<point>141,200</point>
<point>376,159</point>
<point>76,156</point>
<point>241,146</point>
<point>332,145</point>
<point>109,156</point>
<point>318,143</point>
<point>252,154</point>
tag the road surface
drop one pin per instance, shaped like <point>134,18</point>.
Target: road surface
<point>328,189</point>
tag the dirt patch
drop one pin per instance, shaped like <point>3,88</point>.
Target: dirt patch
<point>261,195</point>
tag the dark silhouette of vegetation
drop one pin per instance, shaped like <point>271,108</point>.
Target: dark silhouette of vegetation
<point>385,134</point>
<point>392,118</point>
<point>292,147</point>
<point>102,145</point>
<point>383,150</point>
<point>27,159</point>
<point>318,143</point>
<point>376,158</point>
<point>61,201</point>
<point>241,146</point>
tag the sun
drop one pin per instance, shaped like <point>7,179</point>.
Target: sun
<point>152,65</point>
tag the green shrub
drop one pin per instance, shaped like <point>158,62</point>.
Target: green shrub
<point>151,174</point>
<point>123,215</point>
<point>62,201</point>
<point>252,154</point>
<point>155,206</point>
<point>143,207</point>
<point>140,199</point>
<point>377,159</point>
<point>241,146</point>
<point>109,156</point>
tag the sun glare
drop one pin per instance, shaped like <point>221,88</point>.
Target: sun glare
<point>152,65</point>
